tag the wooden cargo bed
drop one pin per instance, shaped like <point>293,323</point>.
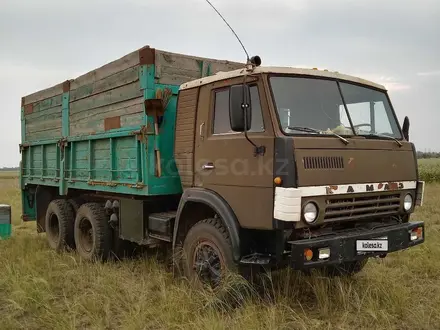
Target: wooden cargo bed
<point>85,132</point>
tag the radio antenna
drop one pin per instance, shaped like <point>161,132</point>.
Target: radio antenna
<point>247,55</point>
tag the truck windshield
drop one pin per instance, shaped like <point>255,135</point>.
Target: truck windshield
<point>318,105</point>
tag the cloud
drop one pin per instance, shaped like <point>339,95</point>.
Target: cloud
<point>395,86</point>
<point>391,83</point>
<point>429,73</point>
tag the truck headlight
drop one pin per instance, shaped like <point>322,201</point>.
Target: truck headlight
<point>310,212</point>
<point>407,202</point>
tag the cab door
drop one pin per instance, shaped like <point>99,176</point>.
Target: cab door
<point>225,161</point>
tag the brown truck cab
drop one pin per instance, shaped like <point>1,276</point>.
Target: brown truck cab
<point>306,168</point>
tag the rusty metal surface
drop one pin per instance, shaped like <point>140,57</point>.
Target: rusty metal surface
<point>28,109</point>
<point>25,218</point>
<point>112,123</point>
<point>66,86</point>
<point>137,185</point>
<point>147,55</point>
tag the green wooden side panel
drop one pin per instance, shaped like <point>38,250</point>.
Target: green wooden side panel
<point>111,103</point>
<point>109,162</point>
<point>40,162</point>
<point>43,119</point>
<point>98,152</point>
<point>169,182</point>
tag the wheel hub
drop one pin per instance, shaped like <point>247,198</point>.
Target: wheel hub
<point>86,235</point>
<point>54,228</point>
<point>208,263</point>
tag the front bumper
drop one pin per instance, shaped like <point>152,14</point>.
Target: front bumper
<point>343,246</point>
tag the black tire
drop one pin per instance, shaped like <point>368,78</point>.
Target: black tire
<point>76,203</point>
<point>212,237</point>
<point>59,223</point>
<point>346,269</point>
<point>93,235</point>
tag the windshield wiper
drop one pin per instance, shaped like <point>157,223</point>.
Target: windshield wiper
<point>386,136</point>
<point>314,130</point>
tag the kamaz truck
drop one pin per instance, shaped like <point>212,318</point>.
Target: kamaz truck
<point>234,165</point>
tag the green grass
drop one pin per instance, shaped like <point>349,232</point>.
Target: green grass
<point>40,289</point>
<point>430,169</point>
<point>6,175</point>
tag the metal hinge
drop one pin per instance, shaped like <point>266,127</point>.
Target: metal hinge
<point>62,143</point>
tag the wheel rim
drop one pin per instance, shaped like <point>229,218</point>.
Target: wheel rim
<point>86,235</point>
<point>208,263</point>
<point>54,228</point>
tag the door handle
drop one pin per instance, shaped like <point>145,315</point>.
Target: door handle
<point>208,166</point>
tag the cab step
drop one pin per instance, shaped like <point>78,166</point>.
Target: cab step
<point>256,259</point>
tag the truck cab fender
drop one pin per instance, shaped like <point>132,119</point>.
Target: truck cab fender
<point>219,206</point>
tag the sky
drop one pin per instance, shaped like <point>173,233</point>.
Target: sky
<point>395,43</point>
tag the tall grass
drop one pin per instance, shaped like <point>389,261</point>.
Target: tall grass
<point>429,170</point>
<point>41,289</point>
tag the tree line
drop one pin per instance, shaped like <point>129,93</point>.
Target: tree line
<point>9,168</point>
<point>430,154</point>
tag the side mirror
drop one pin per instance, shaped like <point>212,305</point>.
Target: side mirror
<point>240,114</point>
<point>405,128</point>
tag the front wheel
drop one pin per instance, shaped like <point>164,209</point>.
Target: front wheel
<point>207,253</point>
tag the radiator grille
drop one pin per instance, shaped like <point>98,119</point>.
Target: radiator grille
<point>311,163</point>
<point>341,209</point>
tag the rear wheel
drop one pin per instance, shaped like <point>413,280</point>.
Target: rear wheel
<point>59,225</point>
<point>93,236</point>
<point>207,253</point>
<point>76,203</point>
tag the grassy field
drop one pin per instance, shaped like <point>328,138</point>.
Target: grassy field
<point>41,289</point>
<point>429,170</point>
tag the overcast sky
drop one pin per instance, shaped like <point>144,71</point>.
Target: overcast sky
<point>395,43</point>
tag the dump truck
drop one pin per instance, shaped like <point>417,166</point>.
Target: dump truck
<point>233,165</point>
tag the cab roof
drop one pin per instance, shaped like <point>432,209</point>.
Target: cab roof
<point>278,70</point>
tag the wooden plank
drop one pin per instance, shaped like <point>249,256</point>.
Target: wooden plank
<point>46,104</point>
<point>116,80</point>
<point>86,127</point>
<point>48,113</point>
<point>217,66</point>
<point>174,68</point>
<point>175,79</point>
<point>43,125</point>
<point>134,119</point>
<point>121,64</point>
<point>44,94</point>
<point>44,135</point>
<point>116,109</point>
<point>116,95</point>
<point>168,59</point>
